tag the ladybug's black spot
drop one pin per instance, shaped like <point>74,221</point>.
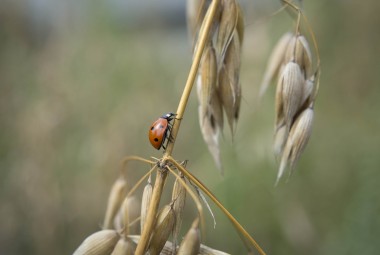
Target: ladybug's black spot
<point>152,128</point>
<point>156,139</point>
<point>161,126</point>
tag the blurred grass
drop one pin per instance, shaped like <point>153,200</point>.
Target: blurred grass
<point>76,99</point>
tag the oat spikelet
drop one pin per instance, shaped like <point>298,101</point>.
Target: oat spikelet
<point>299,52</point>
<point>191,243</point>
<point>227,25</point>
<point>162,230</point>
<point>229,82</point>
<point>124,247</point>
<point>276,59</point>
<point>99,243</point>
<point>210,131</point>
<point>145,202</point>
<point>178,200</point>
<point>298,138</point>
<point>280,137</point>
<point>292,91</point>
<point>207,78</point>
<point>308,90</point>
<point>115,199</point>
<point>215,112</point>
<point>129,211</point>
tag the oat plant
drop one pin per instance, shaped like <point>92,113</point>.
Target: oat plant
<point>136,224</point>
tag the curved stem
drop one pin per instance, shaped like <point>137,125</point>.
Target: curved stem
<point>312,35</point>
<point>193,196</point>
<point>133,189</point>
<point>235,223</point>
<point>126,160</point>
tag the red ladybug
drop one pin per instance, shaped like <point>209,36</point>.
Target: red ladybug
<point>158,132</point>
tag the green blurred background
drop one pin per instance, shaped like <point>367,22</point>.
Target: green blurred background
<point>81,81</point>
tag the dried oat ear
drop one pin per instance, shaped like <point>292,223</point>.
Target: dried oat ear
<point>218,81</point>
<point>292,62</point>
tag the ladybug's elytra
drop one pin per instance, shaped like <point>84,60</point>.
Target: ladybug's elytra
<point>158,132</point>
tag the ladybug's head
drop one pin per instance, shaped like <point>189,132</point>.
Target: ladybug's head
<point>169,116</point>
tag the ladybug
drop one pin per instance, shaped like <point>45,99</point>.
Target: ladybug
<point>158,132</point>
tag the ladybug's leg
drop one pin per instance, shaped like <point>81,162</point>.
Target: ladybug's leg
<point>170,133</point>
<point>164,138</point>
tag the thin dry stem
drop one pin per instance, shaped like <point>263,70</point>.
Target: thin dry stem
<point>193,196</point>
<point>133,189</point>
<point>311,32</point>
<point>126,160</point>
<point>161,176</point>
<point>246,237</point>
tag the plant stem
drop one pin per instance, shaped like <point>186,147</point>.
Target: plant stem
<point>152,211</point>
<point>161,175</point>
<point>202,41</point>
<point>246,237</point>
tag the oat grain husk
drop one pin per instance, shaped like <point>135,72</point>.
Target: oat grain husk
<point>117,194</point>
<point>99,243</point>
<point>162,230</point>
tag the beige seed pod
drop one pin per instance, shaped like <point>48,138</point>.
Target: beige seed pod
<point>190,245</point>
<point>276,59</point>
<point>146,198</point>
<point>232,60</point>
<point>215,112</point>
<point>162,229</point>
<point>279,104</point>
<point>229,86</point>
<point>299,51</point>
<point>118,222</point>
<point>208,77</point>
<point>280,137</point>
<point>124,247</point>
<point>210,132</point>
<point>308,90</point>
<point>292,91</point>
<point>297,140</point>
<point>129,212</point>
<point>227,25</point>
<point>178,200</point>
<point>99,243</point>
<point>115,199</point>
<point>131,208</point>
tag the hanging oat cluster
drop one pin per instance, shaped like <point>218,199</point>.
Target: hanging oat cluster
<point>291,61</point>
<point>121,228</point>
<point>218,82</point>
